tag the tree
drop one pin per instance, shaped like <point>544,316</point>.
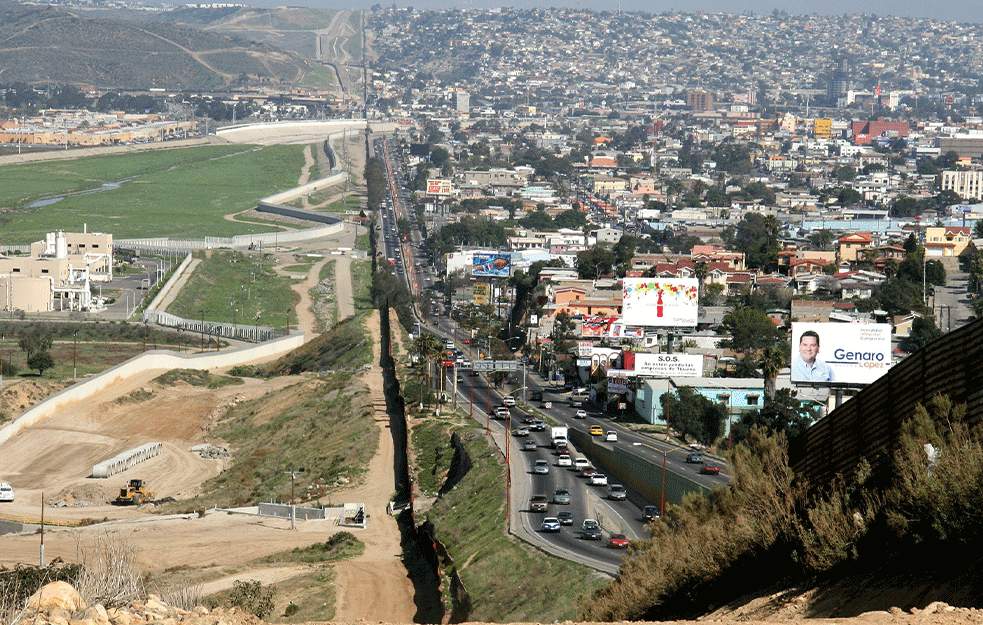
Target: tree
<point>571,218</point>
<point>693,415</point>
<point>749,329</point>
<point>978,229</point>
<point>899,297</point>
<point>757,237</point>
<point>923,332</point>
<point>35,339</point>
<point>782,414</point>
<point>773,358</point>
<point>40,361</point>
<point>595,262</point>
<point>538,220</point>
<point>821,238</point>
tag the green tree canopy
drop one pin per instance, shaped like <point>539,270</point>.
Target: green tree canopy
<point>923,332</point>
<point>749,330</point>
<point>693,415</point>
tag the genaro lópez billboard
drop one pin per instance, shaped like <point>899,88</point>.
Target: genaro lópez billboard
<point>847,353</point>
<point>660,302</point>
<point>494,265</point>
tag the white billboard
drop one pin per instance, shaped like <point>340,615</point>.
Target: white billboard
<point>669,365</point>
<point>850,353</point>
<point>660,302</point>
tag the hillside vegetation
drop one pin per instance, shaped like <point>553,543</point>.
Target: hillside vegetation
<point>49,44</point>
<point>771,531</point>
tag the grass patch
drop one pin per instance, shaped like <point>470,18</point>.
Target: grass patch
<point>324,425</point>
<point>345,347</point>
<point>324,297</point>
<point>135,397</point>
<point>508,580</point>
<point>340,546</point>
<point>196,377</point>
<point>163,192</point>
<point>361,287</point>
<point>224,281</point>
<point>297,268</point>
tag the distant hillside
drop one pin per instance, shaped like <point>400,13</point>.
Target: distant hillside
<point>47,44</point>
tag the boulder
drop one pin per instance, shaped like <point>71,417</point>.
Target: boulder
<point>56,596</point>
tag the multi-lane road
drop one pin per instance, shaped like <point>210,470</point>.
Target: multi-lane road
<point>471,392</point>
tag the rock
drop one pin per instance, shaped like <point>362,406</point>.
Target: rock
<point>97,614</point>
<point>56,595</point>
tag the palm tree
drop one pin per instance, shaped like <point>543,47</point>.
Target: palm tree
<point>428,348</point>
<point>773,358</point>
<point>701,272</point>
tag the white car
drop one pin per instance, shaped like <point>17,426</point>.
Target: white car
<point>6,492</point>
<point>611,436</point>
<point>508,400</point>
<point>581,414</point>
<point>580,463</point>
<point>598,479</point>
<point>564,461</point>
<point>542,467</point>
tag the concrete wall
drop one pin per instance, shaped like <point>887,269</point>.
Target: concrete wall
<point>164,360</point>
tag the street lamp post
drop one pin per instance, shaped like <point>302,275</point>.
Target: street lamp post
<point>75,342</point>
<point>202,311</point>
<point>293,516</point>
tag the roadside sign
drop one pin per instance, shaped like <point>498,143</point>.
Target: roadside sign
<point>496,365</point>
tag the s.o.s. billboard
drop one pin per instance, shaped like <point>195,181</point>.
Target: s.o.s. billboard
<point>846,353</point>
<point>660,302</point>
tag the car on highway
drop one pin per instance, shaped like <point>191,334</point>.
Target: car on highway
<point>550,524</point>
<point>561,496</point>
<point>581,414</point>
<point>710,469</point>
<point>562,451</point>
<point>539,503</point>
<point>508,400</point>
<point>590,529</point>
<point>694,457</point>
<point>537,425</point>
<point>618,541</point>
<point>598,479</point>
<point>650,513</point>
<point>581,463</point>
<point>6,492</point>
<point>576,403</point>
<point>617,492</point>
<point>529,445</point>
<point>522,432</point>
<point>587,471</point>
<point>501,412</point>
<point>596,430</point>
<point>564,461</point>
<point>529,419</point>
<point>546,405</point>
<point>610,436</point>
<point>565,517</point>
<point>536,396</point>
<point>542,467</point>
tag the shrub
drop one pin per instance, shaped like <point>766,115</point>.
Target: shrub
<point>292,608</point>
<point>253,598</point>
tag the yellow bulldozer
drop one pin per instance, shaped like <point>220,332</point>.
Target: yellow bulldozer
<point>134,493</point>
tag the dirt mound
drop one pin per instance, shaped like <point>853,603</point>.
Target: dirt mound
<point>79,495</point>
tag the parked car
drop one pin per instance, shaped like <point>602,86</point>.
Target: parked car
<point>598,479</point>
<point>551,524</point>
<point>581,414</point>
<point>542,467</point>
<point>564,461</point>
<point>618,541</point>
<point>596,430</point>
<point>539,503</point>
<point>590,530</point>
<point>694,457</point>
<point>561,497</point>
<point>529,445</point>
<point>610,436</point>
<point>650,513</point>
<point>710,469</point>
<point>6,492</point>
<point>565,517</point>
<point>617,492</point>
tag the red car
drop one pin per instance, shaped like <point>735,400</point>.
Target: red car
<point>587,471</point>
<point>710,469</point>
<point>618,541</point>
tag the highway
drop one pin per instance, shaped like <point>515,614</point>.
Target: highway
<point>474,396</point>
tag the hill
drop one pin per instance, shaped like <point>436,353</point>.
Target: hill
<point>49,44</point>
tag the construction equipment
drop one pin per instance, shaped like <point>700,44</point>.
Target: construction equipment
<point>134,493</point>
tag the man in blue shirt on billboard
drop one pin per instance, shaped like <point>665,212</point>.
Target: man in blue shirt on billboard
<point>806,367</point>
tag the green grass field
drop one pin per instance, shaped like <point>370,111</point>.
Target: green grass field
<point>179,193</point>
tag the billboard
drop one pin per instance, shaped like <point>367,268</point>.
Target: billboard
<point>438,187</point>
<point>850,353</point>
<point>660,301</point>
<point>491,264</point>
<point>596,326</point>
<point>480,297</point>
<point>669,365</point>
<point>620,330</point>
<point>584,348</point>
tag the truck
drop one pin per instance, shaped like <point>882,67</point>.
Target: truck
<point>558,433</point>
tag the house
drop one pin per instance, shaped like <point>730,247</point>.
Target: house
<point>947,241</point>
<point>851,247</point>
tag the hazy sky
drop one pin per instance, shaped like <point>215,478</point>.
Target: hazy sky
<point>962,11</point>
